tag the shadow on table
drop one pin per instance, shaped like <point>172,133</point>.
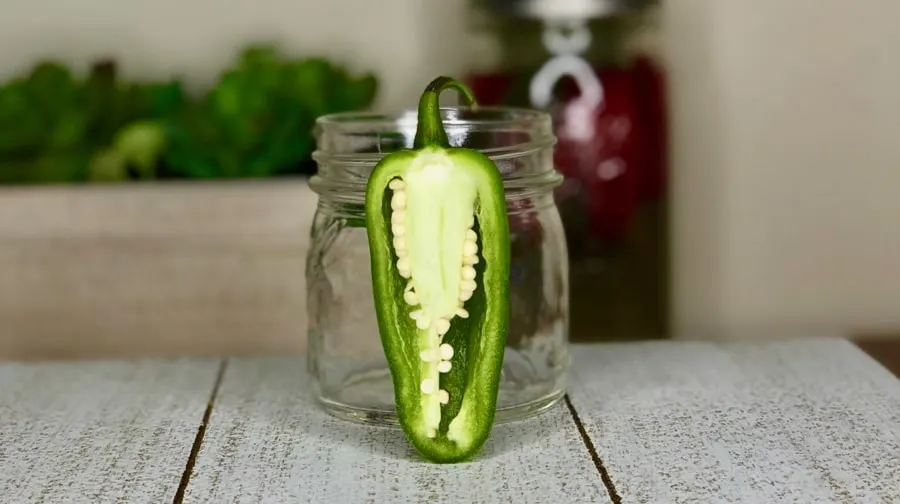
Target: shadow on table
<point>389,442</point>
<point>276,395</point>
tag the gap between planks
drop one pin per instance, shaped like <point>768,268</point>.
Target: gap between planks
<point>592,450</point>
<point>583,426</point>
<point>201,431</point>
<point>199,456</point>
<point>220,375</point>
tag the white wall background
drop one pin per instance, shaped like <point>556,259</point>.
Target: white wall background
<point>786,118</point>
<point>786,165</point>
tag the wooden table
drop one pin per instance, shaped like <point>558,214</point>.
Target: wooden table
<point>797,421</point>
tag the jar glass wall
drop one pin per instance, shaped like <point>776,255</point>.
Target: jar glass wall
<point>345,357</point>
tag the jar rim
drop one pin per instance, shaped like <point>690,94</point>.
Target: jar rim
<point>493,115</point>
<point>355,166</point>
<point>539,122</point>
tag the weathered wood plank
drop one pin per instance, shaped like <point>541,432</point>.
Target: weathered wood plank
<point>792,421</point>
<point>267,442</point>
<point>92,432</point>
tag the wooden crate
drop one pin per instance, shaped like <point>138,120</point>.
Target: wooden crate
<point>154,269</point>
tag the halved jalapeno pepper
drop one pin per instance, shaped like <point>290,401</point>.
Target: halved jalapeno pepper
<point>439,243</point>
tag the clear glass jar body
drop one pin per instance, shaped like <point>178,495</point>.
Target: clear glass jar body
<point>345,358</point>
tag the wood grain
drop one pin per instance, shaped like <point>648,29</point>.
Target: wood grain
<point>154,269</point>
<point>95,432</point>
<point>809,421</point>
<point>267,442</point>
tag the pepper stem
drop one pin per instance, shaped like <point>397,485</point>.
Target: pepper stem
<point>430,130</point>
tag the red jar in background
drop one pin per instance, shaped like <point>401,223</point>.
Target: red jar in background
<point>612,202</point>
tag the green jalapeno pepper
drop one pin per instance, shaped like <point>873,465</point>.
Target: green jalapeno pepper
<point>439,244</point>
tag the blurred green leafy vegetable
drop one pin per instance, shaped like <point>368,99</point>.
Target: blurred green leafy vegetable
<point>255,122</point>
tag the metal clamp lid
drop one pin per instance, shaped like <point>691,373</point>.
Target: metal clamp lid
<point>564,9</point>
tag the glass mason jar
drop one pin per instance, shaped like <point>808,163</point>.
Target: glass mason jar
<point>345,358</point>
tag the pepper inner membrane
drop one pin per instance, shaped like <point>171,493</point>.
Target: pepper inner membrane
<point>433,236</point>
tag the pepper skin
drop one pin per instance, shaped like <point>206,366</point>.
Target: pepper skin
<point>439,245</point>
